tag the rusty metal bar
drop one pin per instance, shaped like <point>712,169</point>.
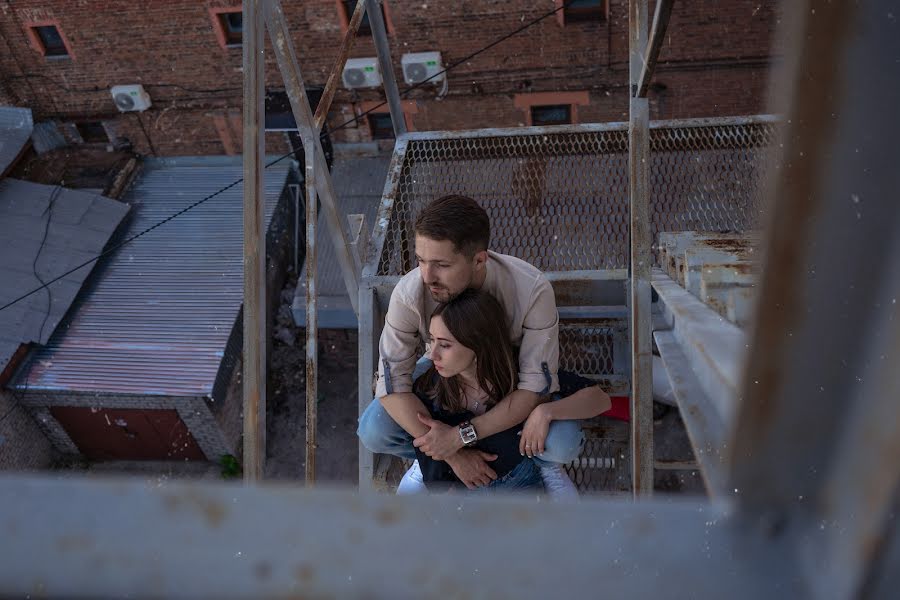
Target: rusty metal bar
<point>336,71</point>
<point>102,539</point>
<point>254,244</point>
<point>293,80</point>
<point>657,35</point>
<point>379,36</point>
<point>312,322</point>
<point>640,263</point>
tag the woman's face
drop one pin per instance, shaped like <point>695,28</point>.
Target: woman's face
<point>449,356</point>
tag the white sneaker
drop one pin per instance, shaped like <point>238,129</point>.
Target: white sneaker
<point>557,483</point>
<point>412,481</point>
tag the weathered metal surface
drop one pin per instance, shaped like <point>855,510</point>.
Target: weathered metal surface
<point>558,196</point>
<point>312,323</point>
<point>702,421</point>
<point>16,126</point>
<point>385,214</point>
<point>296,91</point>
<point>819,420</point>
<point>100,538</point>
<point>639,298</point>
<point>254,310</point>
<point>53,230</point>
<point>386,65</point>
<point>657,35</point>
<point>370,326</point>
<point>713,347</point>
<point>337,70</point>
<point>159,315</point>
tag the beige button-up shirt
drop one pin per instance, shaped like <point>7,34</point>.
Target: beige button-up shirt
<point>530,306</point>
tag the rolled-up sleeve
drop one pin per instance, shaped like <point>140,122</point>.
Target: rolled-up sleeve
<point>539,352</point>
<point>397,347</point>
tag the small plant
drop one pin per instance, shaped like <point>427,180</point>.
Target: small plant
<point>231,466</point>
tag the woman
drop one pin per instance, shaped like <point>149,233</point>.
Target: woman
<point>474,367</point>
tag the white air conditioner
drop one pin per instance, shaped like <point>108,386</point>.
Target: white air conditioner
<point>361,73</point>
<point>130,98</point>
<point>419,66</point>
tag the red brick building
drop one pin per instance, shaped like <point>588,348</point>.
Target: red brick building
<point>61,59</point>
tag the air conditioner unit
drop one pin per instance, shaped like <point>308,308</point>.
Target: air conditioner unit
<point>129,98</point>
<point>419,66</point>
<point>361,73</point>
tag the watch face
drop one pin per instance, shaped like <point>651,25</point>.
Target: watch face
<point>467,433</point>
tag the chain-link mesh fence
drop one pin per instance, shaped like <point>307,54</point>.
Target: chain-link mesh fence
<point>559,198</point>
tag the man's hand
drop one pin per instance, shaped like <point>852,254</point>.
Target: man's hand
<point>441,442</point>
<point>471,466</point>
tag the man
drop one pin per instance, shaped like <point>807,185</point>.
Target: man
<point>451,240</point>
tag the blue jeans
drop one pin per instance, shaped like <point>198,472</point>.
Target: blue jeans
<point>525,476</point>
<point>380,433</point>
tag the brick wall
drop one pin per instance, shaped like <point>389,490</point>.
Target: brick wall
<point>23,446</point>
<point>714,63</point>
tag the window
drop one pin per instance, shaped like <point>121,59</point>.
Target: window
<point>381,126</point>
<point>48,39</point>
<point>233,26</point>
<point>556,114</point>
<point>228,24</point>
<point>365,28</point>
<point>582,10</point>
<point>92,132</point>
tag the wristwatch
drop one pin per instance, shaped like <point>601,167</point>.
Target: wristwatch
<point>467,434</point>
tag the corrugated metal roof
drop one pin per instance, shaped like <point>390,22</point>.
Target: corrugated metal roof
<point>160,311</point>
<point>16,125</point>
<point>80,225</point>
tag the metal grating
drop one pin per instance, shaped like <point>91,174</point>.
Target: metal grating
<point>587,348</point>
<point>603,466</point>
<point>558,196</point>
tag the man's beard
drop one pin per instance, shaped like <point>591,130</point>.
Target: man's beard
<point>443,295</point>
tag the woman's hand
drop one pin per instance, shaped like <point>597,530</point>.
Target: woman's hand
<point>441,441</point>
<point>534,432</point>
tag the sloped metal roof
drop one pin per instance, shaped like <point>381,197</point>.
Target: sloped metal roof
<point>78,225</point>
<point>159,313</point>
<point>16,125</point>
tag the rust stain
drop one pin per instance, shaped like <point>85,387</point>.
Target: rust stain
<point>73,543</point>
<point>213,512</point>
<point>305,573</point>
<point>262,570</point>
<point>387,516</point>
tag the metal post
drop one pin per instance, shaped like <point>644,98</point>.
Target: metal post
<point>379,35</point>
<point>337,70</point>
<point>293,83</point>
<point>312,323</point>
<point>254,245</point>
<point>657,34</point>
<point>639,288</point>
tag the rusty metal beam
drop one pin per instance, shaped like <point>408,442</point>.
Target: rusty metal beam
<point>296,90</point>
<point>386,65</point>
<point>254,360</point>
<point>312,322</point>
<point>89,538</point>
<point>657,35</point>
<point>640,263</point>
<point>337,70</point>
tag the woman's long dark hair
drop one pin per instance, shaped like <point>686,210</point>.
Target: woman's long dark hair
<point>477,321</point>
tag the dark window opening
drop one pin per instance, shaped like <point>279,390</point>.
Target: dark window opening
<point>232,27</point>
<point>558,114</point>
<point>365,28</point>
<point>92,132</point>
<point>585,10</point>
<point>381,126</point>
<point>51,40</point>
<point>280,117</point>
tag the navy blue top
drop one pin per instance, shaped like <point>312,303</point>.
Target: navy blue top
<point>438,475</point>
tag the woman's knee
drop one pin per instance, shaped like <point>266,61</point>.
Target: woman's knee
<point>564,441</point>
<point>371,429</point>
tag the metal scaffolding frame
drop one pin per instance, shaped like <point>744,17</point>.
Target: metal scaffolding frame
<point>814,442</point>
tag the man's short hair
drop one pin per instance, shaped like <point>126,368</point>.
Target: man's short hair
<point>458,219</point>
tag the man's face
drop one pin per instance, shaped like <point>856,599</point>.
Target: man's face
<point>445,271</point>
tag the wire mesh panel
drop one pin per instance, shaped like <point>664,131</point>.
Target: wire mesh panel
<point>603,466</point>
<point>587,347</point>
<point>558,196</point>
